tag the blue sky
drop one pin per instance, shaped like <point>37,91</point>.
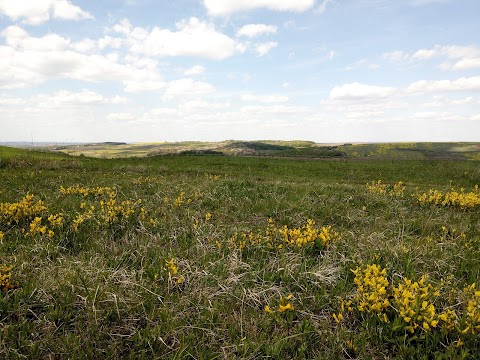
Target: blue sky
<point>329,71</point>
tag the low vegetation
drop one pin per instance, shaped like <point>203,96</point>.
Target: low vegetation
<point>296,149</point>
<point>214,256</point>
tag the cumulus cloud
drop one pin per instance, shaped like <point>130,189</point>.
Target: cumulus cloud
<point>265,98</point>
<point>323,6</point>
<point>38,12</point>
<point>64,98</point>
<point>121,117</point>
<point>263,49</point>
<point>463,64</point>
<point>193,37</point>
<point>274,109</point>
<point>456,57</point>
<point>425,2</point>
<point>194,70</point>
<point>461,84</point>
<point>194,106</point>
<point>253,30</point>
<point>28,61</point>
<point>396,56</point>
<point>187,87</point>
<point>8,101</point>
<point>357,91</point>
<point>227,7</point>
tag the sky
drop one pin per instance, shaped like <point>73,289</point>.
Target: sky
<point>329,71</point>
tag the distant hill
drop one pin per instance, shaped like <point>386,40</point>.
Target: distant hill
<point>269,148</point>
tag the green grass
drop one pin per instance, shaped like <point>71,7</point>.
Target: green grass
<point>104,291</point>
<point>297,149</point>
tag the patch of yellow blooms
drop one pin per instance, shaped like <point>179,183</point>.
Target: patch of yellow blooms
<point>459,199</point>
<point>6,278</point>
<point>172,268</point>
<point>25,209</point>
<point>105,208</point>
<point>29,216</point>
<point>284,305</point>
<point>395,190</point>
<point>411,305</point>
<point>305,236</point>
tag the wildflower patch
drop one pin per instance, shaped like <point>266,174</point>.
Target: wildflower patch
<point>307,236</point>
<point>411,307</point>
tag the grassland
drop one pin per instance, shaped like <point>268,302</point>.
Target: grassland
<point>296,149</point>
<point>223,257</point>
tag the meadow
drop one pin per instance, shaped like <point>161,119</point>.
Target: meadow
<point>221,257</point>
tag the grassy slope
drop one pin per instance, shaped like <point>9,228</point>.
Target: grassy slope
<point>104,291</point>
<point>307,149</point>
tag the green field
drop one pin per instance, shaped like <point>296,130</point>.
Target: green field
<point>235,257</point>
<point>297,149</point>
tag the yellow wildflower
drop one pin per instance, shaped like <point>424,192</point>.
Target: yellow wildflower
<point>283,308</point>
<point>268,310</point>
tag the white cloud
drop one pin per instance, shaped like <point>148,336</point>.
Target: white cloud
<point>437,116</point>
<point>194,70</point>
<point>329,55</point>
<point>424,54</point>
<point>253,30</point>
<point>265,98</point>
<point>139,85</point>
<point>121,117</point>
<point>28,61</point>
<point>425,2</point>
<point>187,87</point>
<point>357,91</point>
<point>462,84</point>
<point>201,105</point>
<point>323,6</point>
<point>12,101</point>
<point>64,98</point>
<point>457,57</point>
<point>362,63</point>
<point>40,11</point>
<point>464,101</point>
<point>227,7</point>
<point>396,56</point>
<point>193,37</point>
<point>464,64</point>
<point>274,109</point>
<point>263,49</point>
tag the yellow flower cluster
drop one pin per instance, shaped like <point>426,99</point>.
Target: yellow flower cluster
<point>283,305</point>
<point>86,191</point>
<point>172,268</point>
<point>471,319</point>
<point>395,190</point>
<point>111,211</point>
<point>183,200</point>
<point>274,237</point>
<point>36,227</point>
<point>28,216</point>
<point>142,180</point>
<point>414,302</point>
<point>371,295</point>
<point>453,198</point>
<point>180,200</point>
<point>213,177</point>
<point>6,278</point>
<point>25,209</point>
<point>410,305</point>
<point>105,211</point>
